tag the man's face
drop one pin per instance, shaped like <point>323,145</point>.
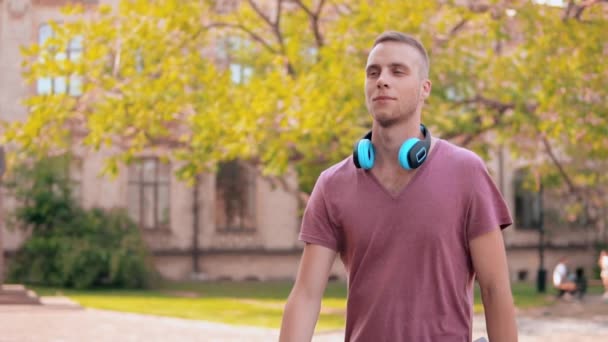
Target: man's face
<point>394,89</point>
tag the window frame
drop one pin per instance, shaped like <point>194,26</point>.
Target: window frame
<point>240,72</point>
<point>250,205</point>
<point>141,184</point>
<point>74,47</point>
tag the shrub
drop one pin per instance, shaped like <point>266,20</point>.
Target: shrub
<point>70,246</point>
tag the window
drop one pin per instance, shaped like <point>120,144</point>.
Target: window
<point>240,73</point>
<point>228,50</point>
<point>453,94</point>
<point>148,193</point>
<point>71,85</point>
<point>311,54</point>
<point>522,275</point>
<point>527,205</point>
<point>235,198</point>
<point>139,61</point>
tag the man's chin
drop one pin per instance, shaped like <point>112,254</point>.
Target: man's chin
<point>386,121</point>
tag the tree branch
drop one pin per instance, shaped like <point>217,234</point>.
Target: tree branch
<point>314,20</point>
<point>589,206</point>
<point>276,28</point>
<point>458,27</point>
<point>466,139</point>
<point>571,187</point>
<point>249,32</point>
<point>478,7</point>
<point>490,103</point>
<point>496,105</point>
<point>260,13</point>
<point>576,11</point>
<point>277,17</point>
<point>319,8</point>
<point>304,7</point>
<point>443,39</point>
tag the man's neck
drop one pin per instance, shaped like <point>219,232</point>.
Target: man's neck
<point>388,140</point>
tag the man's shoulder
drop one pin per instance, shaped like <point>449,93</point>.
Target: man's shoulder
<point>338,173</point>
<point>460,156</point>
<point>340,168</point>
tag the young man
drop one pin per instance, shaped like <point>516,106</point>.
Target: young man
<point>413,223</point>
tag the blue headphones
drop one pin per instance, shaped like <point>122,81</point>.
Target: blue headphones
<point>412,154</point>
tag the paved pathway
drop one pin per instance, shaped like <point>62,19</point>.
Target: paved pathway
<point>55,322</point>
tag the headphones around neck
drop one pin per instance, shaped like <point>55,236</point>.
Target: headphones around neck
<point>412,153</point>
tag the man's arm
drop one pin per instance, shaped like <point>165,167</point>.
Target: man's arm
<point>304,302</point>
<point>490,263</point>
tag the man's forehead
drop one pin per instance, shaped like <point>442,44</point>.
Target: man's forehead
<point>393,53</point>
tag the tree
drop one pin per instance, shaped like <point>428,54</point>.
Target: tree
<point>550,103</point>
<point>280,83</point>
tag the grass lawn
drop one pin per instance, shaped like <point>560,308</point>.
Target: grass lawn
<point>244,303</point>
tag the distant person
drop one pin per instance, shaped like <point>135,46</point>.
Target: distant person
<point>603,263</point>
<point>561,279</point>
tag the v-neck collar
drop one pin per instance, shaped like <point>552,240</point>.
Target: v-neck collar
<point>419,172</point>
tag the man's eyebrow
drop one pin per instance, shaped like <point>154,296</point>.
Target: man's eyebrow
<point>372,66</point>
<point>399,65</point>
<point>392,65</point>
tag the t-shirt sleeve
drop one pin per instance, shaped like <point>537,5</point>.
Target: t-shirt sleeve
<point>317,224</point>
<point>487,209</point>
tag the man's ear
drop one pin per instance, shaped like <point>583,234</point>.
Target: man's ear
<point>426,88</point>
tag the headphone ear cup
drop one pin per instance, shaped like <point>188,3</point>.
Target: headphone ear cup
<point>364,154</point>
<point>404,152</point>
<point>356,155</point>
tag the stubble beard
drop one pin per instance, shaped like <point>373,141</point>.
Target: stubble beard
<point>388,121</point>
<point>402,115</point>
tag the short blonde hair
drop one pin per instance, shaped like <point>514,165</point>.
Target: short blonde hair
<point>394,36</point>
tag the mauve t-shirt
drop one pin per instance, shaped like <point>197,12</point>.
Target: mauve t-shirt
<point>410,274</point>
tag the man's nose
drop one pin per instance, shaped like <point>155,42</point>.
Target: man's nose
<point>381,83</point>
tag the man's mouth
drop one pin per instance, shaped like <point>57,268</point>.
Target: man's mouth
<point>383,98</point>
